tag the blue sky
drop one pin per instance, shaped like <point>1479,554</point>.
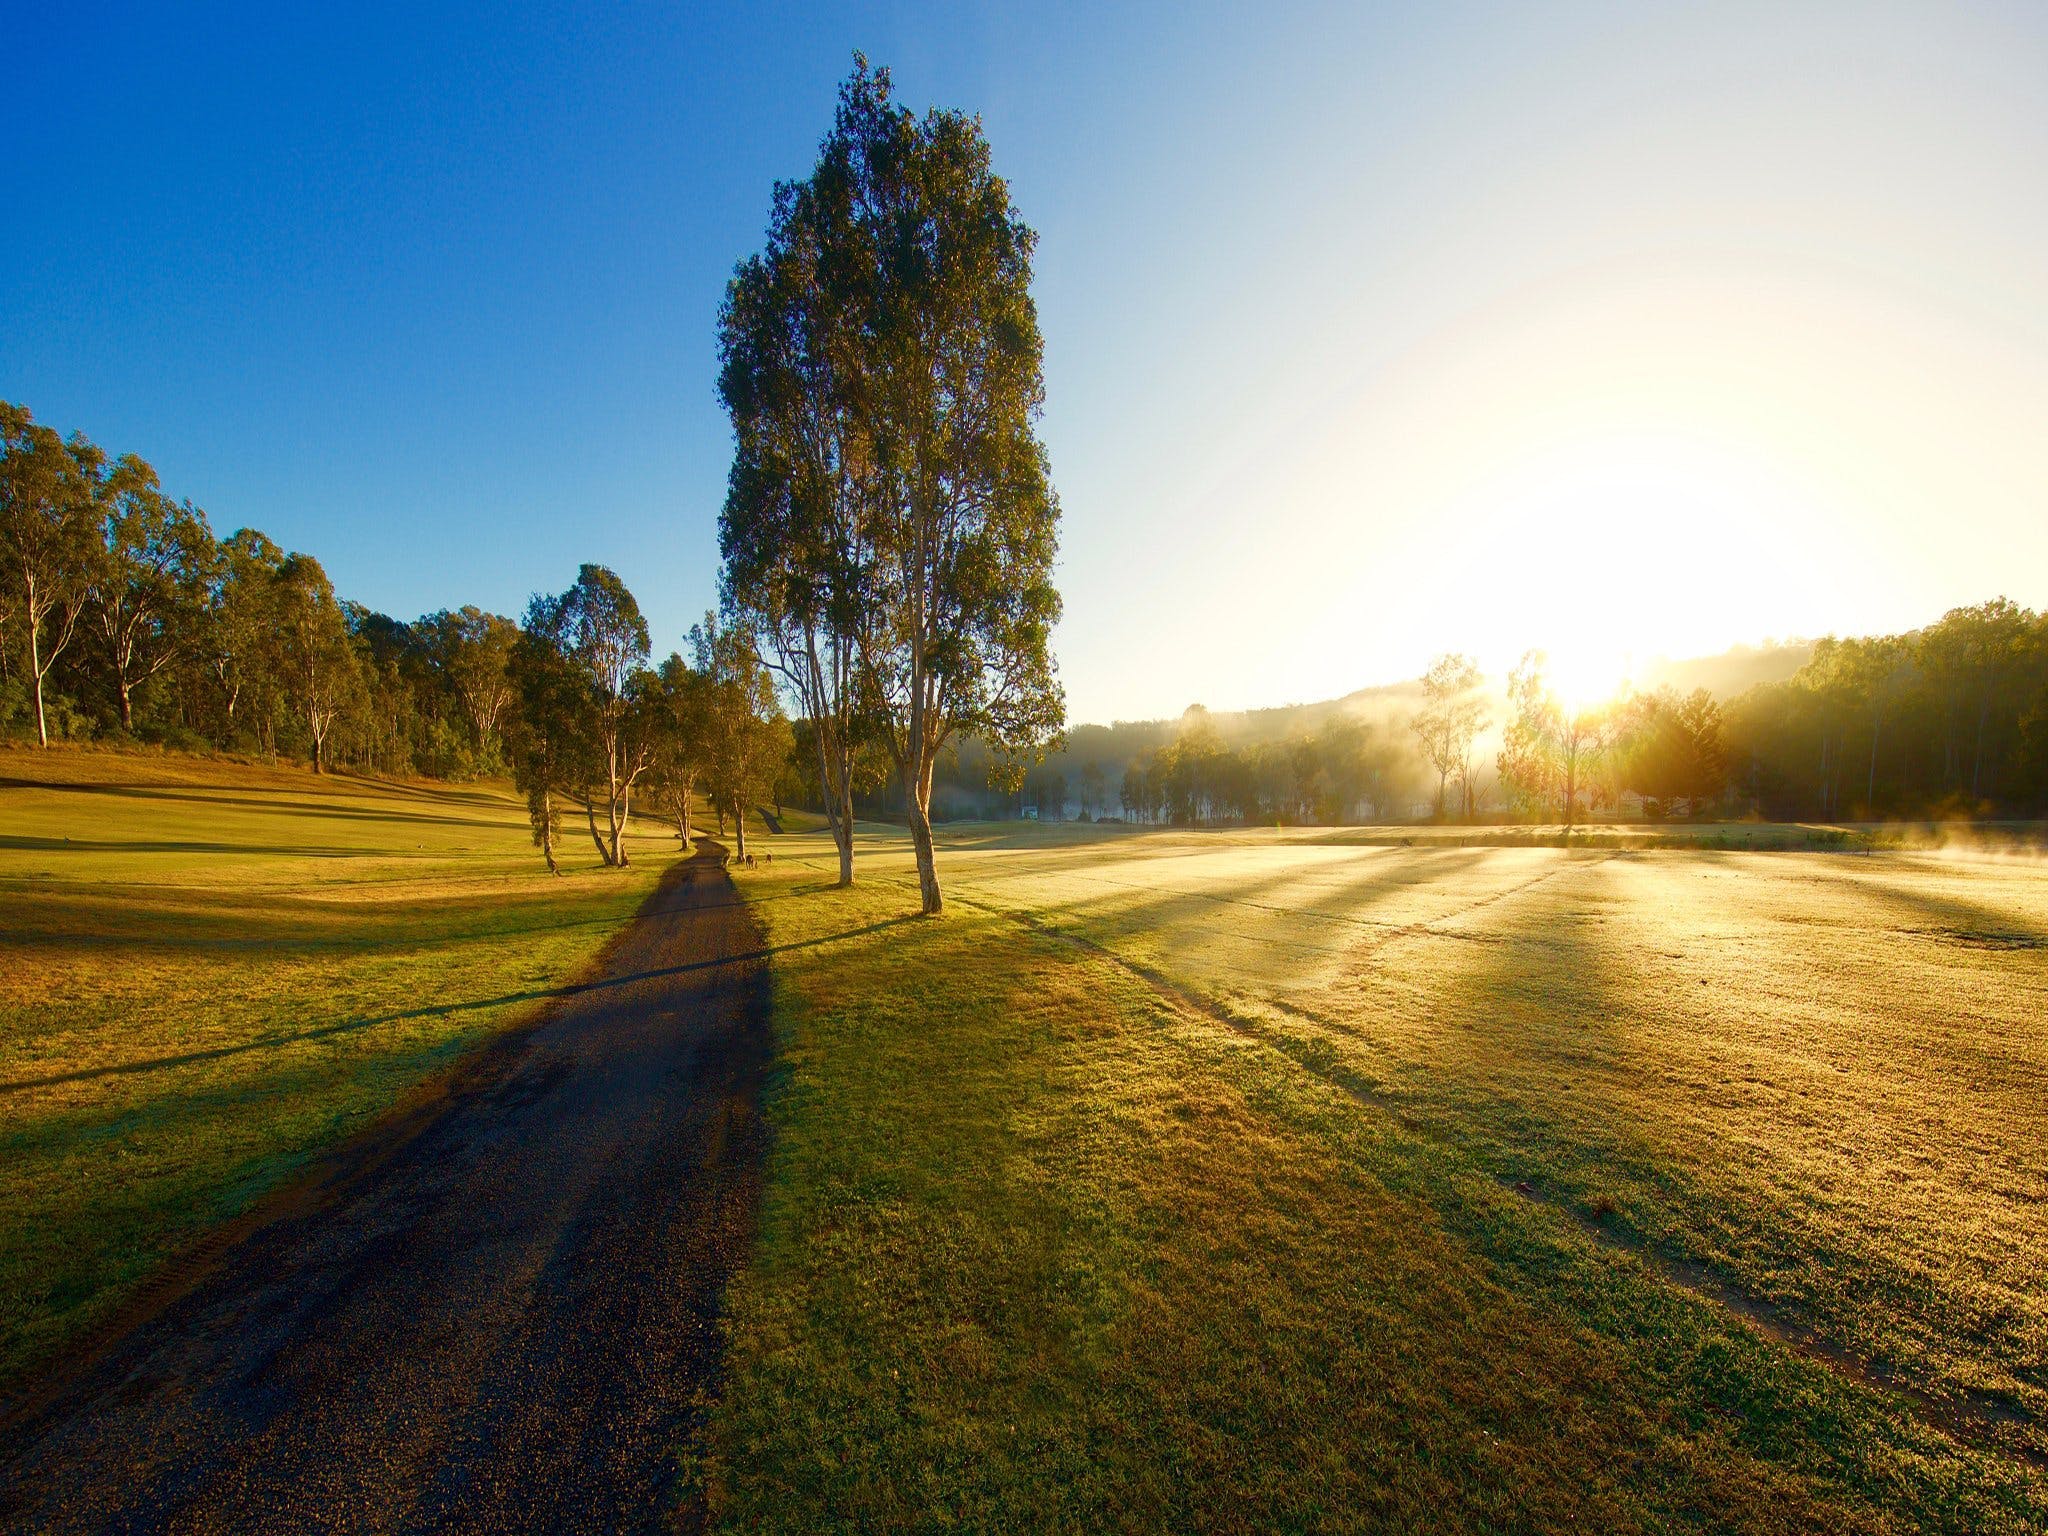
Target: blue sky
<point>1359,320</point>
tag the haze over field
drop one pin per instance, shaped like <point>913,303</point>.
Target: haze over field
<point>1371,332</point>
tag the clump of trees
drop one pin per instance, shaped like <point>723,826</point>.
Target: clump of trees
<point>890,523</point>
<point>892,573</point>
<point>1947,720</point>
<point>593,721</point>
<point>1561,760</point>
<point>1343,771</point>
<point>123,616</point>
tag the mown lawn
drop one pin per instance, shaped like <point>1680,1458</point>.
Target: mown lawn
<point>214,970</point>
<point>1171,1182</point>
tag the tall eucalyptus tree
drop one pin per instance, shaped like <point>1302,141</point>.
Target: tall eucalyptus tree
<point>897,291</point>
<point>801,492</point>
<point>604,634</point>
<point>52,494</point>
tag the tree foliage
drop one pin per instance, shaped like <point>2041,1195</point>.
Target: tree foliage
<point>552,725</point>
<point>883,368</point>
<point>50,515</point>
<point>148,626</point>
<point>804,486</point>
<point>1673,752</point>
<point>1945,720</point>
<point>747,737</point>
<point>600,629</point>
<point>1452,715</point>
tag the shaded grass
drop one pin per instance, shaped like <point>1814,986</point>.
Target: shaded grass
<point>1046,1248</point>
<point>215,970</point>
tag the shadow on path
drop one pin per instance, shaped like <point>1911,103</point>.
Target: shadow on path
<point>435,1011</point>
<point>495,1310</point>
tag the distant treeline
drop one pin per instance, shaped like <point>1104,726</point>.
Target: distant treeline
<point>1946,721</point>
<point>123,617</point>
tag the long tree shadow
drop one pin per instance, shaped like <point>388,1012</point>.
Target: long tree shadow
<point>380,932</point>
<point>21,844</point>
<point>297,806</point>
<point>434,1011</point>
<point>1558,1057</point>
<point>1957,918</point>
<point>1339,904</point>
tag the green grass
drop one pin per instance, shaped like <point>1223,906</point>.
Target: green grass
<point>1168,1183</point>
<point>214,970</point>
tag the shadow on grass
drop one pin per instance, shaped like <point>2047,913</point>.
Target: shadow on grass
<point>282,803</point>
<point>88,845</point>
<point>150,929</point>
<point>1955,918</point>
<point>436,1011</point>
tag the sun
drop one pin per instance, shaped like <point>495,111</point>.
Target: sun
<point>1584,678</point>
<point>1564,549</point>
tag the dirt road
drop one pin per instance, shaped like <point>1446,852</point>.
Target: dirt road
<point>495,1312</point>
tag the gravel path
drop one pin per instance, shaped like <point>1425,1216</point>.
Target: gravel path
<point>496,1312</point>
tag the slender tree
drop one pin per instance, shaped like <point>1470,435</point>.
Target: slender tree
<point>51,507</point>
<point>604,634</point>
<point>1527,766</point>
<point>957,619</point>
<point>1581,737</point>
<point>151,596</point>
<point>794,532</point>
<point>241,633</point>
<point>321,674</point>
<point>550,722</point>
<point>746,734</point>
<point>678,698</point>
<point>1452,715</point>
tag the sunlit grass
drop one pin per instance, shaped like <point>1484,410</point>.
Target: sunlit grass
<point>213,970</point>
<point>1048,1247</point>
